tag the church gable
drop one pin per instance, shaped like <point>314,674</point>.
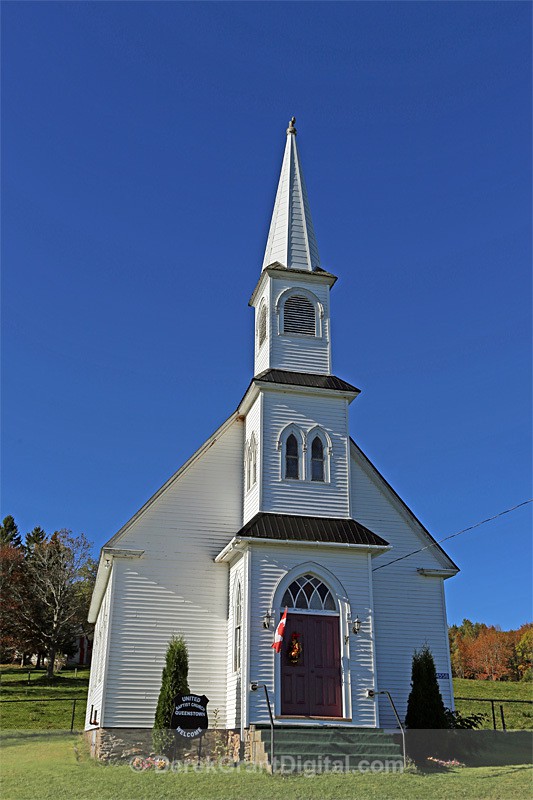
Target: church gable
<point>376,504</point>
<point>203,499</point>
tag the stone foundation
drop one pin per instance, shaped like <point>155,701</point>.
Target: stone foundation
<point>253,747</point>
<point>122,744</point>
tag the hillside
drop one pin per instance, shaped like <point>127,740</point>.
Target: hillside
<point>517,716</point>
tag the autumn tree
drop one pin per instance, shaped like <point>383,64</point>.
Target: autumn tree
<point>51,599</point>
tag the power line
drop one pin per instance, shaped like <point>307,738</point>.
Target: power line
<point>453,535</point>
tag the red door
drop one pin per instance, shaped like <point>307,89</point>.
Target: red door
<point>311,682</point>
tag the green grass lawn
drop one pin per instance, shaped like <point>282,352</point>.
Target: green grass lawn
<point>39,715</point>
<point>53,766</point>
<point>57,715</point>
<point>517,716</point>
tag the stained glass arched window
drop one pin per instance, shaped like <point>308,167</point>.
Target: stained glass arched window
<point>309,593</point>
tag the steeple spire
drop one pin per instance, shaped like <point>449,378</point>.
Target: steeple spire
<point>291,239</point>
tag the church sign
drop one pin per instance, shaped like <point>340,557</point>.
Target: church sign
<point>189,717</point>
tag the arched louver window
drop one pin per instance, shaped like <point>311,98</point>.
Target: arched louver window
<point>317,459</point>
<point>262,326</point>
<point>309,593</point>
<point>299,316</point>
<point>292,458</point>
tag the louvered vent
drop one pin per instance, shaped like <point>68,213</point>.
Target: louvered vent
<point>299,316</point>
<point>262,327</point>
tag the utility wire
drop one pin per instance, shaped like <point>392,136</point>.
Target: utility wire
<point>453,535</point>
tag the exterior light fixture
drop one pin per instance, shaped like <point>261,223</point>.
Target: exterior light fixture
<point>267,619</point>
<point>356,625</point>
<point>107,563</point>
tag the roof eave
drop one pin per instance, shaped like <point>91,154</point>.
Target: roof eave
<point>277,270</point>
<point>105,568</point>
<point>233,546</point>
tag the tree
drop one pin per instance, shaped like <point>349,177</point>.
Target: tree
<point>524,650</point>
<point>173,682</point>
<point>36,536</point>
<point>425,707</point>
<point>15,632</point>
<point>9,533</point>
<point>52,598</point>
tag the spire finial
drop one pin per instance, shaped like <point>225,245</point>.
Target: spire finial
<point>291,128</point>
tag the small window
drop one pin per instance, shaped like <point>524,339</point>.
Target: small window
<point>254,465</point>
<point>250,463</point>
<point>299,316</point>
<point>317,459</point>
<point>262,325</point>
<point>237,629</point>
<point>292,458</point>
<point>310,594</point>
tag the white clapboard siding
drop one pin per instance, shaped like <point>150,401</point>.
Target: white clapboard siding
<point>175,587</point>
<point>233,715</point>
<point>305,497</point>
<point>409,608</point>
<point>269,564</point>
<point>99,656</point>
<point>297,352</point>
<point>253,426</point>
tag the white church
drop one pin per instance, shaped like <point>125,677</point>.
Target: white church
<point>278,509</point>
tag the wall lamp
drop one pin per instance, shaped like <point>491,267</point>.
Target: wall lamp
<point>355,624</point>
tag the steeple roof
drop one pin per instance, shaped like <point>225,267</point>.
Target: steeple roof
<point>291,239</point>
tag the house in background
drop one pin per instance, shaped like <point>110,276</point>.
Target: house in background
<point>279,508</point>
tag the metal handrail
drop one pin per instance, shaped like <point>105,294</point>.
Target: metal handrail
<point>372,693</point>
<point>254,686</point>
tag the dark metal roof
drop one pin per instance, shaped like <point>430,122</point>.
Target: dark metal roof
<point>305,379</point>
<point>310,529</point>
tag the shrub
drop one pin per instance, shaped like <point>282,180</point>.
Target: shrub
<point>173,682</point>
<point>425,708</point>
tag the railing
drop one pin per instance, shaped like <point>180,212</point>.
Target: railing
<point>254,686</point>
<point>34,700</point>
<point>493,700</point>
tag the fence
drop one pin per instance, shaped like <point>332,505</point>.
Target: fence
<point>72,700</point>
<point>492,701</point>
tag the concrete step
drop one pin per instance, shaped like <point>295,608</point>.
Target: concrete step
<point>318,749</point>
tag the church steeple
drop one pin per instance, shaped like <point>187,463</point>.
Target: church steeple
<point>291,239</point>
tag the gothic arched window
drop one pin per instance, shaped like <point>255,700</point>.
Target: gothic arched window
<point>292,457</point>
<point>250,462</point>
<point>317,459</point>
<point>308,593</point>
<point>237,628</point>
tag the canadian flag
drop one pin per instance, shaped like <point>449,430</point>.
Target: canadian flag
<point>280,630</point>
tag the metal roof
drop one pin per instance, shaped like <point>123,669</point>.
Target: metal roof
<point>309,379</point>
<point>310,529</point>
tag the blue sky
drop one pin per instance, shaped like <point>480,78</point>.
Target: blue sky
<point>142,144</point>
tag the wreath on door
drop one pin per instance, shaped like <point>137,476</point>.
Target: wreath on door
<point>295,649</point>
